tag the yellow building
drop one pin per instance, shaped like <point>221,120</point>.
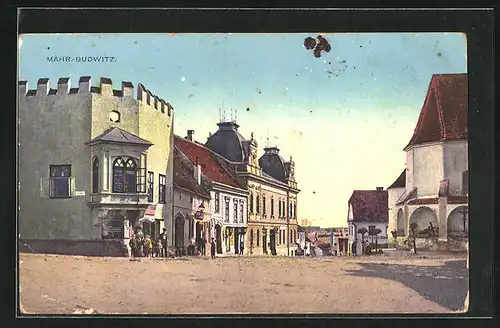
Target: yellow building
<point>270,181</point>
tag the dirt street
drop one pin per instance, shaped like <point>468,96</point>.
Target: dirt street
<point>51,284</point>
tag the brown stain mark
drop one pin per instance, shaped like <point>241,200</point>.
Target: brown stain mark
<point>171,35</point>
<point>320,44</point>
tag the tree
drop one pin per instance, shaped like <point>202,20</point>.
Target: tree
<point>362,231</point>
<point>413,229</point>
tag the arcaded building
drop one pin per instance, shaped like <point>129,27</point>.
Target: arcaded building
<point>432,191</point>
<point>94,163</point>
<point>272,190</point>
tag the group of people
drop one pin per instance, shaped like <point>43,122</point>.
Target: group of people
<point>199,247</point>
<point>144,246</point>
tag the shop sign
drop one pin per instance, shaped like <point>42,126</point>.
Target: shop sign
<point>150,210</point>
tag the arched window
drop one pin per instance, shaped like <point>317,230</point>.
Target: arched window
<point>124,175</point>
<point>258,237</point>
<point>95,176</point>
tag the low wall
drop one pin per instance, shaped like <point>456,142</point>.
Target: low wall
<point>433,244</point>
<point>113,248</point>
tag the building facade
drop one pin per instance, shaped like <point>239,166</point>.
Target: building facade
<point>272,188</point>
<point>367,209</point>
<point>191,205</point>
<point>435,190</point>
<point>227,222</point>
<point>91,162</point>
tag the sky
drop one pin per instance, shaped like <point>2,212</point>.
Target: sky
<point>344,117</point>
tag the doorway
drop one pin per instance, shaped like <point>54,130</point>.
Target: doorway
<point>272,241</point>
<point>218,238</point>
<point>236,241</point>
<point>179,231</point>
<point>264,241</point>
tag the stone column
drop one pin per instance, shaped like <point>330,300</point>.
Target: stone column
<point>442,219</point>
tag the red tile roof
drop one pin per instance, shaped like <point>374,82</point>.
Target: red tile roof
<point>209,165</point>
<point>445,110</point>
<point>184,176</point>
<point>458,199</point>
<point>423,201</point>
<point>400,181</point>
<point>370,205</point>
<point>406,196</point>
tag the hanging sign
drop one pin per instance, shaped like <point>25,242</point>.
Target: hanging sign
<point>150,210</point>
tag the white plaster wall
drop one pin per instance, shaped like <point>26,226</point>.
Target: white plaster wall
<point>53,130</point>
<point>455,162</point>
<point>393,196</point>
<point>382,237</point>
<point>183,205</point>
<point>428,169</point>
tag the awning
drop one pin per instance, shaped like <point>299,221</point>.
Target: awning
<point>147,218</point>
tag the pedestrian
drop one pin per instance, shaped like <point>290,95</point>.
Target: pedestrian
<point>133,246</point>
<point>150,247</point>
<point>203,246</point>
<point>140,242</point>
<point>242,245</point>
<point>163,238</point>
<point>212,249</point>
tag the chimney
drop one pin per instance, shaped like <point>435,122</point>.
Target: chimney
<point>380,188</point>
<point>197,171</point>
<point>84,84</point>
<point>190,134</point>
<point>63,86</point>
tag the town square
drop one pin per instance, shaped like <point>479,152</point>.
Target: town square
<point>210,176</point>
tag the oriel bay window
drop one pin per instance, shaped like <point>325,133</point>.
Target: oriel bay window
<point>60,181</point>
<point>162,188</point>
<point>125,176</point>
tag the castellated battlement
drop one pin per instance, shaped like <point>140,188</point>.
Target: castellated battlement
<point>105,88</point>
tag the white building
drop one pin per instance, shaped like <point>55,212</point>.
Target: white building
<point>435,194</point>
<point>367,209</point>
<point>191,203</point>
<point>228,215</point>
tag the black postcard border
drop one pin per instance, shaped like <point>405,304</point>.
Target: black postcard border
<point>478,26</point>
